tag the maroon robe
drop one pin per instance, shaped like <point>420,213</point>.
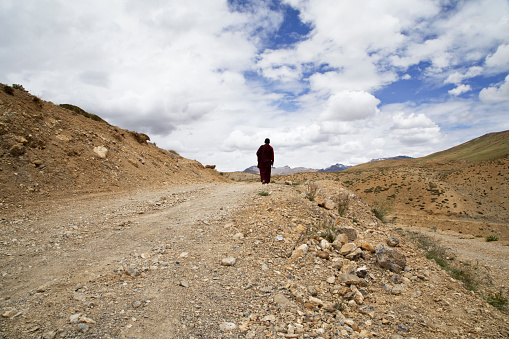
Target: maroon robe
<point>265,160</point>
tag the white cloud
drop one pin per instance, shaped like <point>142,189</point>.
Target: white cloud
<point>500,59</point>
<point>460,90</point>
<point>414,129</point>
<point>457,77</point>
<point>496,94</point>
<point>350,106</point>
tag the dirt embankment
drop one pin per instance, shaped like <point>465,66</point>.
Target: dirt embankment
<point>48,151</point>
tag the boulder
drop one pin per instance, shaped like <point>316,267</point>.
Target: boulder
<point>350,232</point>
<point>390,259</point>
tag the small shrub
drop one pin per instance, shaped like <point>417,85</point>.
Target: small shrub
<point>342,203</point>
<point>19,87</point>
<point>327,229</point>
<point>9,90</point>
<point>78,110</point>
<point>312,190</point>
<point>381,209</point>
<point>497,300</point>
<point>263,193</point>
<point>491,238</point>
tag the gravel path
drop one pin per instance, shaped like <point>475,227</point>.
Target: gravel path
<point>211,261</point>
<point>60,251</point>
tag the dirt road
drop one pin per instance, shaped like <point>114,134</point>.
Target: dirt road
<point>210,261</point>
<point>77,249</point>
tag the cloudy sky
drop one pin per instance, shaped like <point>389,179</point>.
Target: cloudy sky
<point>328,81</point>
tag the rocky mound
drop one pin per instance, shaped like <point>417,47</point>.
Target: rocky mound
<point>48,150</point>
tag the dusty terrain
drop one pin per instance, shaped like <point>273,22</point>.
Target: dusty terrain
<point>149,265</point>
<point>468,198</point>
<point>105,235</point>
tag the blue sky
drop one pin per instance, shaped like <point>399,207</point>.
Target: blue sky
<point>328,81</point>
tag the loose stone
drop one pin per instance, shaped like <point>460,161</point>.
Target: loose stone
<point>347,248</point>
<point>391,259</point>
<point>229,261</point>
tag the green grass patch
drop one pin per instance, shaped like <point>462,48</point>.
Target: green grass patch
<point>491,238</point>
<point>80,111</point>
<point>9,90</point>
<point>263,193</point>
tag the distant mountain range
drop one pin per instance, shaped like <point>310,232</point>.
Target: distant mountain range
<point>280,170</point>
<point>286,170</point>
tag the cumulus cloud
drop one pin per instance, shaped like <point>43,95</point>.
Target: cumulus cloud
<point>500,59</point>
<point>414,129</point>
<point>457,77</point>
<point>350,106</point>
<point>460,90</point>
<point>496,93</point>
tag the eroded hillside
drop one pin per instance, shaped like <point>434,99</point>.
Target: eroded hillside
<point>47,150</point>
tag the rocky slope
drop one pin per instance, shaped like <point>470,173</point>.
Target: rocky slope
<point>48,151</point>
<point>463,196</point>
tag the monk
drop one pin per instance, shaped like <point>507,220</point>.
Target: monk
<point>265,156</point>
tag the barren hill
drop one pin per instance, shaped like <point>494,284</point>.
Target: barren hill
<point>464,189</point>
<point>47,151</point>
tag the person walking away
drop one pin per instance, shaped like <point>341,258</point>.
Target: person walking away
<point>265,156</point>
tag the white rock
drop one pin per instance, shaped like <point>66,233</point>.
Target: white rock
<point>227,326</point>
<point>324,244</point>
<point>101,151</point>
<point>229,261</point>
<point>75,318</point>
